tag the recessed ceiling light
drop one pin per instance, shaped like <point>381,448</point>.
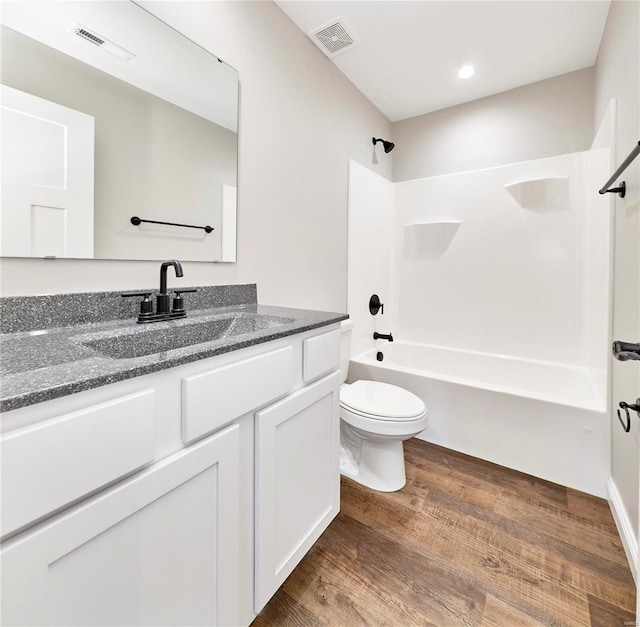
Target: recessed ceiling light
<point>466,71</point>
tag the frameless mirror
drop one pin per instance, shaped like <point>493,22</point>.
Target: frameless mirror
<point>119,136</point>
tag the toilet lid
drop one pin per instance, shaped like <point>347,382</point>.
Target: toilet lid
<point>381,400</point>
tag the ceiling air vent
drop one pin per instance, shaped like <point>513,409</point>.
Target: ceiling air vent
<point>102,42</point>
<point>333,38</point>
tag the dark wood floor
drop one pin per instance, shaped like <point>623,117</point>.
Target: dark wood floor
<point>465,542</point>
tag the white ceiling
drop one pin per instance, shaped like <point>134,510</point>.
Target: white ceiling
<point>410,51</point>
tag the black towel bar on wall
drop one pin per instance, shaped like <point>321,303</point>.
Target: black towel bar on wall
<point>622,188</point>
<point>135,220</point>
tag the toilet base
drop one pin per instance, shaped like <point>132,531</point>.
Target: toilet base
<point>380,465</point>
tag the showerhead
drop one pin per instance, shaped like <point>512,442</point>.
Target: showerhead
<point>388,146</point>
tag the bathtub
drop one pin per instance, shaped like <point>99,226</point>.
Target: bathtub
<point>544,419</point>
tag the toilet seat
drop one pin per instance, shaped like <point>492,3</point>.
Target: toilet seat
<point>376,427</point>
<point>381,401</point>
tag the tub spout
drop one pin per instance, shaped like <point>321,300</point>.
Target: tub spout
<point>382,336</point>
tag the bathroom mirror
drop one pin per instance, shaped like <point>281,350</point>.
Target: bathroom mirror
<point>119,136</point>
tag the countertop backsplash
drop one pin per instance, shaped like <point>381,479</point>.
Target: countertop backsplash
<point>33,313</point>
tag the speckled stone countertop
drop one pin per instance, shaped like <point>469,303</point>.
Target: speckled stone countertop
<point>46,359</point>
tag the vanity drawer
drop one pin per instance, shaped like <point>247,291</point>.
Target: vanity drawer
<point>321,354</point>
<point>50,464</point>
<point>214,398</point>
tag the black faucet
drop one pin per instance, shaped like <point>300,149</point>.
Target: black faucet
<point>164,309</point>
<point>164,300</point>
<point>382,336</point>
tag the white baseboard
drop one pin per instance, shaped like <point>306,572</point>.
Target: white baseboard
<point>625,528</point>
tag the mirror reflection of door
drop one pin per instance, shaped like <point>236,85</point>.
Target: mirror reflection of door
<point>47,178</point>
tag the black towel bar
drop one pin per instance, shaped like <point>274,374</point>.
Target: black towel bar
<point>135,220</point>
<point>622,188</point>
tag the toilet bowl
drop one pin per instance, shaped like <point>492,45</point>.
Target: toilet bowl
<point>375,418</point>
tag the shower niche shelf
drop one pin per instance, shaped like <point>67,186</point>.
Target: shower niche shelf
<point>429,237</point>
<point>421,223</point>
<point>539,193</point>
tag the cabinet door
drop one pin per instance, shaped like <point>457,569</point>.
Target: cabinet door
<point>297,480</point>
<point>158,549</point>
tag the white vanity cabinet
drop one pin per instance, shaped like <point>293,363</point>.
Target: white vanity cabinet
<point>160,548</point>
<point>297,486</point>
<point>182,497</point>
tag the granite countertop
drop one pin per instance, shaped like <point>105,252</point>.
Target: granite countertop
<point>42,364</point>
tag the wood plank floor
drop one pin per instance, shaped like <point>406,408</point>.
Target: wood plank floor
<point>465,542</point>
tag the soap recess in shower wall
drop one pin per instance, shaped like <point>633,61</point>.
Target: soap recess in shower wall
<point>540,193</point>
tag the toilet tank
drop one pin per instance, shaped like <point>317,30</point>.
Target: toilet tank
<point>345,348</point>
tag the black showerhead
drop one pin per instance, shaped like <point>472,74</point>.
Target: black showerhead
<point>388,146</point>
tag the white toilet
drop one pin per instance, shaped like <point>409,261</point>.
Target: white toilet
<point>374,420</point>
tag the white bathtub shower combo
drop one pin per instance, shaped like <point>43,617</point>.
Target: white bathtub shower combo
<point>496,288</point>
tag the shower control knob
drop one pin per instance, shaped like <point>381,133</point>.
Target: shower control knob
<point>624,351</point>
<point>375,305</point>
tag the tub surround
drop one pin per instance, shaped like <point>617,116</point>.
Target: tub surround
<point>53,346</point>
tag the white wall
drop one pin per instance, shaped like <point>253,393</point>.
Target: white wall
<point>300,122</point>
<point>617,75</point>
<point>543,119</point>
<point>513,278</point>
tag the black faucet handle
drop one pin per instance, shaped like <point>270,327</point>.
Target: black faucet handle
<point>128,294</point>
<point>146,306</point>
<point>177,307</point>
<point>375,305</point>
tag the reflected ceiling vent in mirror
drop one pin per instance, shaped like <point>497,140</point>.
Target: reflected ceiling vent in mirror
<point>101,42</point>
<point>334,37</point>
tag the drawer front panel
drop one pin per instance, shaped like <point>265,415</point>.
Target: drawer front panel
<point>48,465</point>
<point>216,397</point>
<point>321,355</point>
